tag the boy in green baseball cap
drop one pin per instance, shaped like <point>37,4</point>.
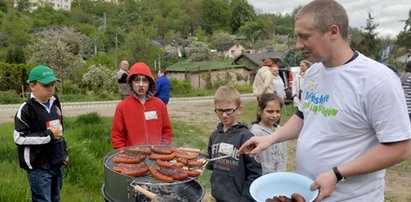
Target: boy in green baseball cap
<point>38,134</point>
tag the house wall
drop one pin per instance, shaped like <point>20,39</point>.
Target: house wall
<point>56,4</point>
<point>196,79</point>
<point>234,51</point>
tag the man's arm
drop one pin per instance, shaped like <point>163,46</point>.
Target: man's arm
<point>289,131</point>
<point>379,157</point>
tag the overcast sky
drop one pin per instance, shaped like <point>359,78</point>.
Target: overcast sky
<point>388,13</point>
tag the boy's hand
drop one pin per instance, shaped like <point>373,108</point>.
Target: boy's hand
<point>57,133</point>
<point>66,161</point>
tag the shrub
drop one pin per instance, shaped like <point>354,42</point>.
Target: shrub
<point>10,97</point>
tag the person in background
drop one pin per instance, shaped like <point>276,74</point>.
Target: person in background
<point>277,82</point>
<point>122,79</point>
<point>299,82</point>
<point>263,79</point>
<point>406,84</point>
<point>231,177</point>
<point>348,130</point>
<point>141,119</point>
<point>163,86</point>
<point>38,134</point>
<point>274,158</point>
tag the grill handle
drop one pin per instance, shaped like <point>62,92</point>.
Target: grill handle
<point>145,192</point>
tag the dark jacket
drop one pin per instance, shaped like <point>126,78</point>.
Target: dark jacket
<point>231,177</point>
<point>36,145</point>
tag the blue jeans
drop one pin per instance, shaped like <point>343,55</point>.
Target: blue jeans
<point>46,184</point>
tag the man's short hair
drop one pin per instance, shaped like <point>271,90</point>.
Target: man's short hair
<point>163,70</point>
<point>324,14</point>
<point>227,93</point>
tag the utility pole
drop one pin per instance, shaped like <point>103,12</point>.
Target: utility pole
<point>116,55</point>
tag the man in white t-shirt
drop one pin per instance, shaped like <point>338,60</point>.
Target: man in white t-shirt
<point>352,121</point>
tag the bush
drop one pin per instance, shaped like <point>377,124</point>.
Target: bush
<point>10,97</point>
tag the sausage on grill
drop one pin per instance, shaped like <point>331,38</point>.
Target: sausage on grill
<point>161,150</point>
<point>133,170</point>
<point>159,176</point>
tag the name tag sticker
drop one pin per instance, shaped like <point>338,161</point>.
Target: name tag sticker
<point>151,115</point>
<point>55,123</point>
<point>225,148</point>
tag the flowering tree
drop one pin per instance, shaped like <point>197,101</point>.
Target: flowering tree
<point>198,51</point>
<point>58,48</point>
<point>100,77</point>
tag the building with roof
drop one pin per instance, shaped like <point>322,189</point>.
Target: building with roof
<point>232,50</point>
<point>209,73</point>
<point>55,4</point>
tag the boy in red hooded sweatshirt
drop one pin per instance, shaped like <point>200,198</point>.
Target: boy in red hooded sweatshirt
<point>141,119</point>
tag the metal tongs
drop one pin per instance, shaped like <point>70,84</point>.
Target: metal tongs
<point>215,159</point>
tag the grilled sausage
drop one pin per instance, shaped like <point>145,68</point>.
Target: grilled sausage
<point>197,163</point>
<point>297,198</point>
<point>139,150</point>
<point>193,173</point>
<point>186,155</point>
<point>159,176</point>
<point>182,161</point>
<point>164,164</point>
<point>129,158</point>
<point>175,172</point>
<point>133,170</point>
<point>161,150</point>
<point>164,157</point>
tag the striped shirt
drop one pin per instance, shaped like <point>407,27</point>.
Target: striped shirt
<point>407,91</point>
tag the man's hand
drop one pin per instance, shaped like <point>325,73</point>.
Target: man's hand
<point>255,145</point>
<point>326,183</point>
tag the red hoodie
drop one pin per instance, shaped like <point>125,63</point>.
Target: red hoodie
<point>135,123</point>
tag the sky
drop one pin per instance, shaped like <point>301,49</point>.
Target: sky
<point>389,14</point>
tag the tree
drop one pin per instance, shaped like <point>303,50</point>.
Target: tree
<point>252,30</point>
<point>23,5</point>
<point>15,55</point>
<point>100,77</point>
<point>216,15</point>
<point>59,49</point>
<point>3,6</point>
<point>404,37</point>
<point>242,13</point>
<point>198,51</point>
<point>370,44</point>
<point>140,48</point>
<point>221,37</point>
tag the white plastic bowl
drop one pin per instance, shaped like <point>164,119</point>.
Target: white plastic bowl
<point>282,183</point>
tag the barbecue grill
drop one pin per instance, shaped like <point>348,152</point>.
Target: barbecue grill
<point>119,187</point>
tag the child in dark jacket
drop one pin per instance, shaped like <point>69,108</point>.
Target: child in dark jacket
<point>38,135</point>
<point>231,177</point>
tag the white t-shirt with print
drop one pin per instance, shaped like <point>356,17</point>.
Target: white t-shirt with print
<point>347,110</point>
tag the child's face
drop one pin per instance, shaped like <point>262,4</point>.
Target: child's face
<point>227,112</point>
<point>270,114</point>
<point>43,92</point>
<point>140,85</point>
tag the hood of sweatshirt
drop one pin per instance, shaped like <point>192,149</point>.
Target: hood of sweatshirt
<point>140,68</point>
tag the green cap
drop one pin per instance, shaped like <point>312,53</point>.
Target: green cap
<point>42,74</point>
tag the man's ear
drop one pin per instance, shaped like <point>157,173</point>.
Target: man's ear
<point>334,31</point>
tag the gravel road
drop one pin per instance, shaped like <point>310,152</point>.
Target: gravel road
<point>106,108</point>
